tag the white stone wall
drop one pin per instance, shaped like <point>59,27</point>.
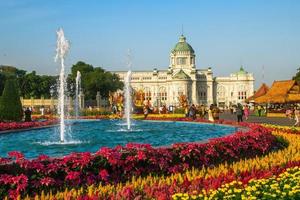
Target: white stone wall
<point>233,89</point>
<point>202,88</point>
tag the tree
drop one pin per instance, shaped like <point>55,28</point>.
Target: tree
<point>297,76</point>
<point>33,85</point>
<point>10,103</point>
<point>95,79</point>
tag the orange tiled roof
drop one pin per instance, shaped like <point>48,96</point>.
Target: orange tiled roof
<point>281,92</point>
<point>263,89</point>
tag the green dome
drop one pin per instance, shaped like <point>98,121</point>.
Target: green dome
<point>181,75</point>
<point>242,71</point>
<point>182,45</point>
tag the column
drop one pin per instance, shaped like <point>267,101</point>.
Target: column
<point>81,100</point>
<point>98,99</point>
<point>210,93</point>
<point>31,102</point>
<point>194,92</point>
<point>51,103</point>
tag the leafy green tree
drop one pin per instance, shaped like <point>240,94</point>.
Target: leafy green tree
<point>33,85</point>
<point>10,103</point>
<point>297,76</point>
<point>94,80</point>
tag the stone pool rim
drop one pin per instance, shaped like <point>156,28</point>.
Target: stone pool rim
<point>239,128</point>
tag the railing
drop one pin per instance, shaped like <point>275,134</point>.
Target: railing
<point>39,102</point>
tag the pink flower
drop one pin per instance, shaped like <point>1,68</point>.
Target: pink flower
<point>47,181</point>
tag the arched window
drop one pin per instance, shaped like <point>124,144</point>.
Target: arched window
<point>181,61</point>
<point>163,94</point>
<point>242,93</point>
<point>147,93</point>
<point>221,91</point>
<point>180,91</point>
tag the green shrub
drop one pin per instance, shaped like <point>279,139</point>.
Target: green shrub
<point>179,111</point>
<point>94,112</point>
<point>10,103</point>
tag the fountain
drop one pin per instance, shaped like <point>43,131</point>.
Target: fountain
<point>77,92</point>
<point>61,51</point>
<point>127,91</point>
<point>128,106</point>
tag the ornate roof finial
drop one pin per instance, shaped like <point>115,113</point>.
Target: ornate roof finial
<point>242,68</point>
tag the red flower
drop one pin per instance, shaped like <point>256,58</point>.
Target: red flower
<point>73,176</point>
<point>16,154</point>
<point>141,155</point>
<point>104,174</point>
<point>43,157</point>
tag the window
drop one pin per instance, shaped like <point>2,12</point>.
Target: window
<point>181,61</point>
<point>147,94</point>
<point>242,95</point>
<point>162,94</point>
<point>162,77</point>
<point>221,91</point>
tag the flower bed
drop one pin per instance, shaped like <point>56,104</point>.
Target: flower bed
<point>285,185</point>
<point>198,179</point>
<point>120,164</point>
<point>5,126</point>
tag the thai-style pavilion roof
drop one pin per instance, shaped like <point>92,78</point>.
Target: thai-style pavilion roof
<point>287,91</point>
<point>263,89</point>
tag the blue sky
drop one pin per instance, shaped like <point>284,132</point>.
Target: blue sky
<point>224,34</point>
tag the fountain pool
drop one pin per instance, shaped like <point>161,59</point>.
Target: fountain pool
<point>90,135</point>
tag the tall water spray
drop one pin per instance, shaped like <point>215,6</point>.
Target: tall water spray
<point>128,99</point>
<point>77,92</point>
<point>62,47</point>
<point>127,90</point>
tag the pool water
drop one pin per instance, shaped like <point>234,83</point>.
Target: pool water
<point>87,135</point>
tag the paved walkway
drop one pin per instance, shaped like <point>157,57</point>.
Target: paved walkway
<point>268,120</point>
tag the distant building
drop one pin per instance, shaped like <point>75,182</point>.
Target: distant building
<point>163,87</point>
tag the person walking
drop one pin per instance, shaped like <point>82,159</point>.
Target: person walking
<point>246,112</point>
<point>192,112</point>
<point>210,114</point>
<point>239,113</point>
<point>259,108</point>
<point>202,111</point>
<point>194,116</point>
<point>28,115</point>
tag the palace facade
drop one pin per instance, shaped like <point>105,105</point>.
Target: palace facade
<point>199,86</point>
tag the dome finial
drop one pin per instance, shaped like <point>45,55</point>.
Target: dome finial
<point>242,68</point>
<point>182,38</point>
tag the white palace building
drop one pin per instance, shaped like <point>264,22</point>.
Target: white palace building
<point>163,87</point>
